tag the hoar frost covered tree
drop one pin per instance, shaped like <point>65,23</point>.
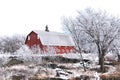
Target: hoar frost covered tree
<point>94,31</point>
<point>11,44</point>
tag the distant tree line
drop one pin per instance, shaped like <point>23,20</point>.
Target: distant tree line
<point>11,44</point>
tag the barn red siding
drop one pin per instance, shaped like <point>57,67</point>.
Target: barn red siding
<point>32,40</point>
<point>59,49</point>
<point>65,49</point>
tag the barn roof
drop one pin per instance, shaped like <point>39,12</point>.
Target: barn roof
<point>55,38</point>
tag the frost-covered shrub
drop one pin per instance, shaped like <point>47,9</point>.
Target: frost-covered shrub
<point>24,50</point>
<point>110,57</point>
<point>28,56</point>
<point>4,58</point>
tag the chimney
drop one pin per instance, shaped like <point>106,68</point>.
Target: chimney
<point>46,28</point>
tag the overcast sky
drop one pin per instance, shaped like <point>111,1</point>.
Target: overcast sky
<point>23,16</point>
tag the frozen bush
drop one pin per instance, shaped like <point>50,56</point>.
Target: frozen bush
<point>110,57</point>
<point>26,54</point>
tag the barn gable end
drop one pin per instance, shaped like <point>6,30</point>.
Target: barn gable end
<point>32,40</point>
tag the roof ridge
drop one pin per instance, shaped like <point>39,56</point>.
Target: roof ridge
<point>55,38</point>
<point>38,31</point>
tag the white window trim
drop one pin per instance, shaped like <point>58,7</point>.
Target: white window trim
<point>28,37</point>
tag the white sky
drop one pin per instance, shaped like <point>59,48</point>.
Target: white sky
<point>23,16</point>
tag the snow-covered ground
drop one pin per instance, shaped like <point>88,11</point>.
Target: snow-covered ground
<point>34,66</point>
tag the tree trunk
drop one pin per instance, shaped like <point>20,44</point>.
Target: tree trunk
<point>118,58</point>
<point>99,54</point>
<point>101,63</point>
<point>83,64</point>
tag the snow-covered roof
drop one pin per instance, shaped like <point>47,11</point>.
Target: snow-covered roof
<point>55,38</point>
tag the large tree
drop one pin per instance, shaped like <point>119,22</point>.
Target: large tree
<point>95,29</point>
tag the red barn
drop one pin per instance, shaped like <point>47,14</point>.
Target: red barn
<point>50,41</point>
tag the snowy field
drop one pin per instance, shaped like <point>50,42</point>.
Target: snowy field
<point>29,66</point>
<point>33,64</point>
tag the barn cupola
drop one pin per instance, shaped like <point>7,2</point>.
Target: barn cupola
<point>46,28</point>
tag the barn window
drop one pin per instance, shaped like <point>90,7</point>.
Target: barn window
<point>28,37</point>
<point>71,50</point>
<point>58,50</point>
<point>63,50</point>
<point>67,50</point>
<point>37,36</point>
